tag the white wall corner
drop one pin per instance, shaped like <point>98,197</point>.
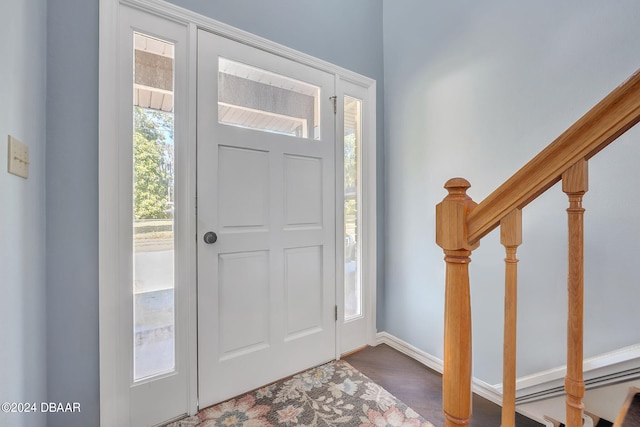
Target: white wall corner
<point>415,353</point>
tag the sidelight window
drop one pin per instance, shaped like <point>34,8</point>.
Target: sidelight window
<point>352,208</point>
<point>153,208</point>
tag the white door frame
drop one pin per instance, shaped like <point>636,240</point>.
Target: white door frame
<point>117,390</point>
<point>114,406</point>
<point>365,326</point>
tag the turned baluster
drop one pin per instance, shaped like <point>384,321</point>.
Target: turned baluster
<point>451,236</point>
<point>575,185</point>
<point>511,238</point>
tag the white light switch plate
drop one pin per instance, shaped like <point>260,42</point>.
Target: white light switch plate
<point>18,157</point>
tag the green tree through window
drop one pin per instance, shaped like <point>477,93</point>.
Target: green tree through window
<point>153,164</point>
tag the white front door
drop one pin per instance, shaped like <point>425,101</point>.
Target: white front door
<point>266,217</point>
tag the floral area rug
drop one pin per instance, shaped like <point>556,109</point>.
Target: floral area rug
<point>334,394</point>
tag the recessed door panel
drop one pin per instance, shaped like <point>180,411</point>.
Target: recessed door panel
<point>243,181</point>
<point>303,191</point>
<point>303,287</point>
<point>243,303</point>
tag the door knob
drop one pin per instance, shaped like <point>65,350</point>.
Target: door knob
<point>210,237</point>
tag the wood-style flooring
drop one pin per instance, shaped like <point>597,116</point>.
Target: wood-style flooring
<point>420,387</point>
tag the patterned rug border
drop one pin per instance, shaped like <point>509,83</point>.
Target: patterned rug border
<point>334,394</point>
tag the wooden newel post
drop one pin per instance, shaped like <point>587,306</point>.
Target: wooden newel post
<point>451,236</point>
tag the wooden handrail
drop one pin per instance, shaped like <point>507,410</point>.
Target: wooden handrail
<point>461,223</point>
<point>609,119</point>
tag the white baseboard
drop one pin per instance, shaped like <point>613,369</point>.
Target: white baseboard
<point>415,353</point>
<point>479,387</point>
<point>616,366</point>
<point>609,368</point>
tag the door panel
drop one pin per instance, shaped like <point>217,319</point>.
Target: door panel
<point>303,191</point>
<point>303,291</point>
<point>244,179</point>
<point>244,313</point>
<point>266,187</point>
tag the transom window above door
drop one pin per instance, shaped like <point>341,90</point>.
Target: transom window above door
<point>258,99</point>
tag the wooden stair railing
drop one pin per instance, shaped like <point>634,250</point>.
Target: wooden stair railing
<point>461,223</point>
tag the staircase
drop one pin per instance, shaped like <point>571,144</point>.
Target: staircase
<point>461,223</point>
<point>630,414</point>
<point>624,396</point>
<point>603,405</point>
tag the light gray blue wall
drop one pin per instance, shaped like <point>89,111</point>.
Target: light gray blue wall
<point>72,209</point>
<point>348,34</point>
<point>22,210</point>
<point>475,89</point>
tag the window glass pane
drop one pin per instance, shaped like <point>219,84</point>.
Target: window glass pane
<point>153,238</point>
<point>352,202</point>
<point>253,98</point>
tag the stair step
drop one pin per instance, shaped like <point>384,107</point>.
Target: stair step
<point>629,415</point>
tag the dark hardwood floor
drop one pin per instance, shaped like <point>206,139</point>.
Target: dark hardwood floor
<point>420,387</point>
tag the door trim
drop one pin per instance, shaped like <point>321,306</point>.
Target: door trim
<point>346,87</point>
<point>113,409</point>
<point>114,323</point>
